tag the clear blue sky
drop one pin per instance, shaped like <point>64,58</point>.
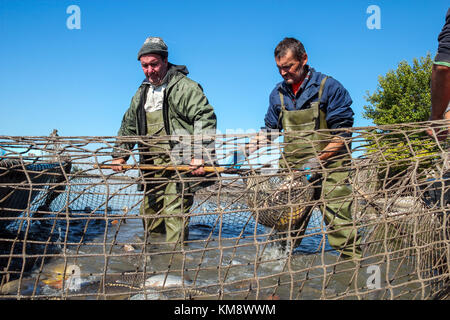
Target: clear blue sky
<point>81,81</point>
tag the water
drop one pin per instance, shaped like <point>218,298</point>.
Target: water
<point>224,258</point>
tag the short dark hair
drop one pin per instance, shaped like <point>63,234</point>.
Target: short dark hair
<point>292,44</point>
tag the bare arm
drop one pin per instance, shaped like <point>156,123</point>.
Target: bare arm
<point>332,148</point>
<point>440,97</point>
<point>440,91</point>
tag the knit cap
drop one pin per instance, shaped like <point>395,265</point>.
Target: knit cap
<point>154,45</point>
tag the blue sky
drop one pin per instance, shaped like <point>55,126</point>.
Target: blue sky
<point>81,81</point>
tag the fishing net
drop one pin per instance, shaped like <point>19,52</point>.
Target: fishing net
<point>72,229</point>
<point>281,200</point>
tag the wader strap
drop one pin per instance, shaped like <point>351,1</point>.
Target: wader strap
<point>281,99</point>
<point>321,115</point>
<point>322,86</point>
<point>281,109</point>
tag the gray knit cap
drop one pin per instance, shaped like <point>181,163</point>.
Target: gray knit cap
<point>154,45</point>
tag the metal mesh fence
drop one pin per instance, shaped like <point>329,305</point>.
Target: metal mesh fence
<point>72,228</point>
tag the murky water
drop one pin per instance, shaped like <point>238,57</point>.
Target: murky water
<point>240,260</point>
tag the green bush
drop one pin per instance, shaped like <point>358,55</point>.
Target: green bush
<point>402,96</point>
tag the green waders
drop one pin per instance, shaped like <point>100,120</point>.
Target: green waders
<point>303,142</point>
<point>163,198</point>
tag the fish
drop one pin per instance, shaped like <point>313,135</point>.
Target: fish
<point>136,280</point>
<point>128,248</point>
<point>132,285</point>
<point>52,277</point>
<point>166,281</point>
<point>12,287</point>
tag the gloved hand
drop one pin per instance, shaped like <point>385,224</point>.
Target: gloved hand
<point>313,165</point>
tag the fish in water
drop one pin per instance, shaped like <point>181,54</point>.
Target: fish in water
<point>136,280</point>
<point>128,248</point>
<point>52,277</point>
<point>131,285</point>
<point>26,287</point>
<point>166,281</point>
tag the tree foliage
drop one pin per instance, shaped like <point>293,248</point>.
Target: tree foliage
<point>403,95</point>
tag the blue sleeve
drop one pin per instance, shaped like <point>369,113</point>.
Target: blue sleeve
<point>273,112</point>
<point>339,111</point>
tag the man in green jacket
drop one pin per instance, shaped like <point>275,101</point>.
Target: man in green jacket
<point>167,103</point>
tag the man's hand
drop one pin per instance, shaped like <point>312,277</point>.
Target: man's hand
<point>332,148</point>
<point>442,133</point>
<point>313,165</point>
<point>116,164</point>
<point>197,167</point>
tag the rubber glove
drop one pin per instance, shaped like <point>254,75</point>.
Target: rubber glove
<point>314,165</point>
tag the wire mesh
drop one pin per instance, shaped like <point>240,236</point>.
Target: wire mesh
<point>72,229</point>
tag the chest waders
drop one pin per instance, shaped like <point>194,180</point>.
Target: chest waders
<point>302,141</point>
<point>162,199</point>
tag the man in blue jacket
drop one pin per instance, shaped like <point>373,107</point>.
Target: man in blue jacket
<point>305,101</point>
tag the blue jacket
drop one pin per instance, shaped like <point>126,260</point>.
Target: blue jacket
<point>335,102</point>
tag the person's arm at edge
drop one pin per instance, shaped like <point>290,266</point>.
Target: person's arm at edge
<point>127,128</point>
<point>205,119</point>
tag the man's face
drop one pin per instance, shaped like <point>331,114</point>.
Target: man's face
<point>290,68</point>
<point>154,67</point>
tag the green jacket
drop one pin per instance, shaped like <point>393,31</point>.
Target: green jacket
<point>186,111</point>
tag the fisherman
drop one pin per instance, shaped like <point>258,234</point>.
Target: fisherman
<point>309,100</point>
<point>440,109</point>
<point>440,79</point>
<point>166,103</point>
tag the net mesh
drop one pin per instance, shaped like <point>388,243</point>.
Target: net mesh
<point>271,193</point>
<point>71,229</point>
